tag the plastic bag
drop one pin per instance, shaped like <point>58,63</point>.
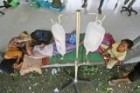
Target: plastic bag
<point>94,36</point>
<point>72,38</point>
<point>14,3</point>
<point>59,37</point>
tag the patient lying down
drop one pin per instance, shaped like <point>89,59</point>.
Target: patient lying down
<point>43,50</point>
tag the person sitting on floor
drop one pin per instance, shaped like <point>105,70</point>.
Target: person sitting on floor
<point>131,76</point>
<point>116,52</point>
<point>41,38</point>
<point>36,50</point>
<point>13,51</point>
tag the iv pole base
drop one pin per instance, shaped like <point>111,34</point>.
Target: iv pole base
<point>129,10</point>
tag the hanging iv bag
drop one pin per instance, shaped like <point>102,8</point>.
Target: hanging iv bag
<point>59,37</point>
<point>94,36</point>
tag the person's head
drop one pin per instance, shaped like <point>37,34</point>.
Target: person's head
<point>125,45</point>
<point>24,34</point>
<point>41,44</point>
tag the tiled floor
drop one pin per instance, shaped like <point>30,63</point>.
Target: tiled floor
<point>26,18</point>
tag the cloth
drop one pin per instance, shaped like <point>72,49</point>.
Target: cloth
<point>95,57</point>
<point>69,48</point>
<point>45,61</point>
<point>47,50</point>
<point>111,63</point>
<point>14,42</point>
<point>13,52</point>
<point>118,55</point>
<point>50,50</point>
<point>7,65</point>
<point>113,51</point>
<point>114,54</point>
<point>135,74</point>
<point>108,39</point>
<point>31,65</point>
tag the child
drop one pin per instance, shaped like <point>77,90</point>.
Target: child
<point>116,52</point>
<point>132,76</point>
<point>13,55</point>
<point>15,43</point>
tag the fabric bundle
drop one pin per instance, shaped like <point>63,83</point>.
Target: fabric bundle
<point>31,65</point>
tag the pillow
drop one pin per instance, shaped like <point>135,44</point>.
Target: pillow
<point>71,38</point>
<point>7,65</point>
<point>108,40</point>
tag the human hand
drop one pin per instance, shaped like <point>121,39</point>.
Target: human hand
<point>104,53</point>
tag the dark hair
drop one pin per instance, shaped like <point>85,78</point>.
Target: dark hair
<point>129,42</point>
<point>25,32</point>
<point>41,42</point>
<point>42,36</point>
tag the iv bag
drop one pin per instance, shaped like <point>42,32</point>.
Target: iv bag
<point>94,36</point>
<point>59,36</point>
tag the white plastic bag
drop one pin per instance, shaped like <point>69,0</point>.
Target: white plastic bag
<point>59,36</point>
<point>93,36</point>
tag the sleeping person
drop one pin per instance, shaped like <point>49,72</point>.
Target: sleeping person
<point>116,52</point>
<point>14,45</point>
<point>45,46</point>
<point>13,55</point>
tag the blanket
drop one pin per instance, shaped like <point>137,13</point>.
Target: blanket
<point>31,65</point>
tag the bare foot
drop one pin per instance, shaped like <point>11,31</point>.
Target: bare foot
<point>112,82</point>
